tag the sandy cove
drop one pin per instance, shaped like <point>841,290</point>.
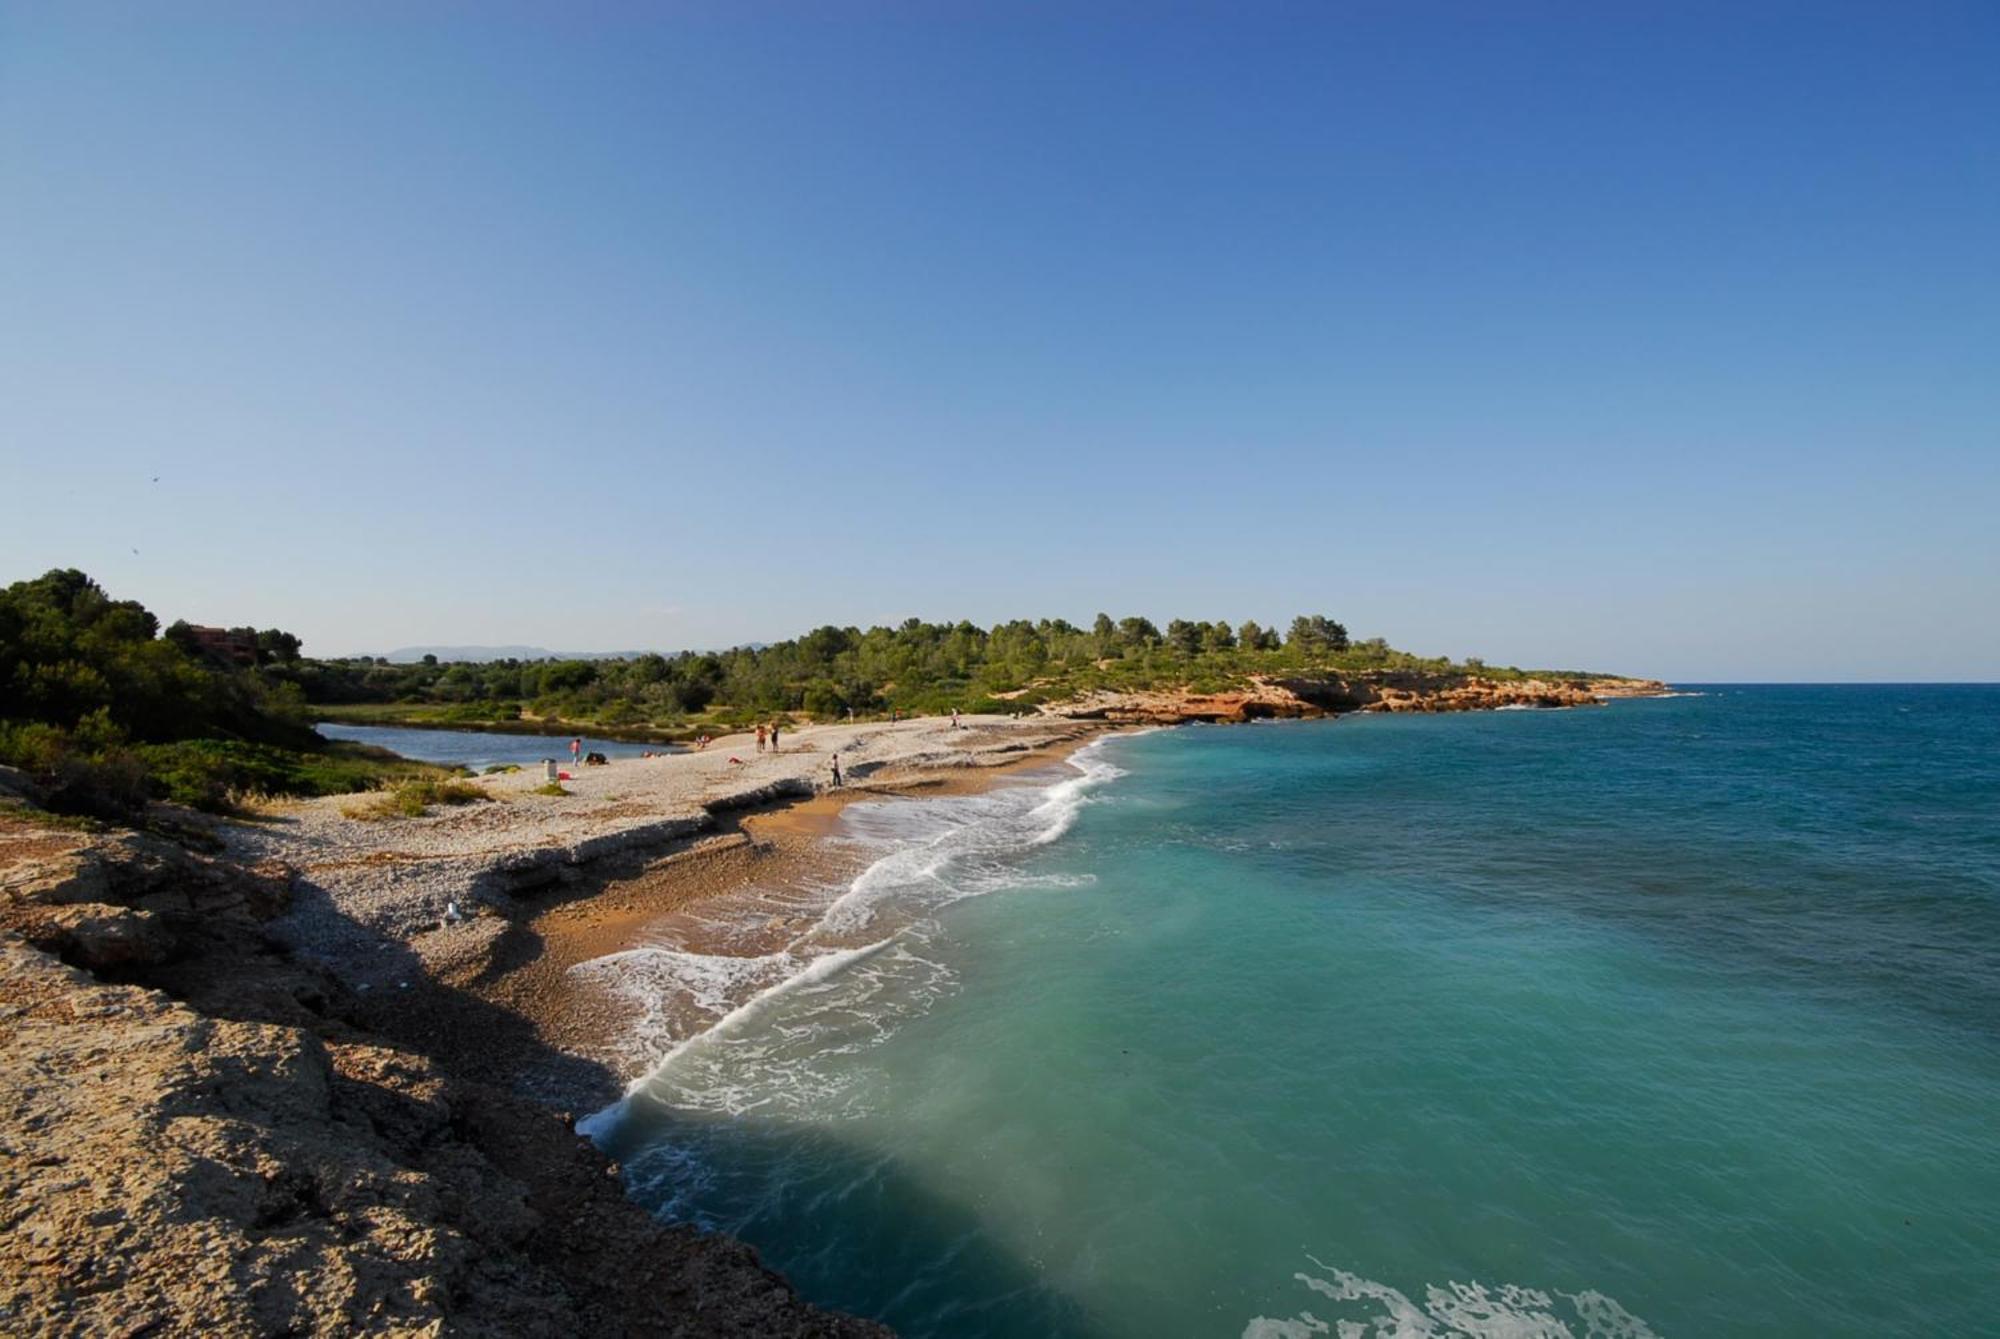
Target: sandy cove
<point>542,882</point>
<point>494,902</point>
<point>292,1099</point>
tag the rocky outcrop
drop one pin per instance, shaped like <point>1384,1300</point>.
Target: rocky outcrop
<point>201,1138</point>
<point>1330,694</point>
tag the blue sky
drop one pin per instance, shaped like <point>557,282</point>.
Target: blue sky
<point>1652,337</point>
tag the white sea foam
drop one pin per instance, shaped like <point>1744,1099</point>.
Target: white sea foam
<point>1452,1311</point>
<point>721,1032</point>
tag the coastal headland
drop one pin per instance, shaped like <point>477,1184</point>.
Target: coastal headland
<point>322,1076</point>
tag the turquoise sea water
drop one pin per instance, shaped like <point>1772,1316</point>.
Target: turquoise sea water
<point>1678,1017</point>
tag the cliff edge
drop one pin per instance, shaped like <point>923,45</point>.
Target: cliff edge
<point>1271,698</point>
<point>201,1139</point>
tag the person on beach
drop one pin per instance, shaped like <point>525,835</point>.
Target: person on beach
<point>575,752</point>
<point>836,771</point>
<point>954,718</point>
<point>774,736</point>
<point>762,735</point>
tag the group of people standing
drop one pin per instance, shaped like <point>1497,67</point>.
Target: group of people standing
<point>768,736</point>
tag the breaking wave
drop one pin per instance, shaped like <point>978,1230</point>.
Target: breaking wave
<point>1371,1310</point>
<point>859,965</point>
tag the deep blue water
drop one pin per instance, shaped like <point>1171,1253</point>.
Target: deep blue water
<point>1677,1017</point>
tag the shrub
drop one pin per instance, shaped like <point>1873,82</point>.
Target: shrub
<point>110,785</point>
<point>86,770</point>
<point>480,713</point>
<point>412,798</point>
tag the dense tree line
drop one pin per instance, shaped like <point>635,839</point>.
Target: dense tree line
<point>74,658</point>
<point>104,712</point>
<point>99,703</point>
<point>914,667</point>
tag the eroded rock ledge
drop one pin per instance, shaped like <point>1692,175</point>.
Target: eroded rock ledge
<point>1328,695</point>
<point>200,1139</point>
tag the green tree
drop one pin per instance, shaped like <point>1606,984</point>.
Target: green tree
<point>1138,632</point>
<point>1185,637</point>
<point>1316,633</point>
<point>277,647</point>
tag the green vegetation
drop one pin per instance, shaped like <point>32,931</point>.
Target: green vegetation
<point>917,669</point>
<point>552,788</point>
<point>412,799</point>
<point>105,713</point>
<point>209,773</point>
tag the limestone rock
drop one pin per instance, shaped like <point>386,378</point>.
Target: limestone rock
<point>239,1158</point>
<point>103,938</point>
<point>1332,694</point>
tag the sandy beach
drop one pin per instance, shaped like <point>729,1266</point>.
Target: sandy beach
<point>434,921</point>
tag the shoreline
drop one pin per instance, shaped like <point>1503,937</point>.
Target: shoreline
<point>436,922</point>
<point>775,846</point>
<point>778,848</point>
<point>539,888</point>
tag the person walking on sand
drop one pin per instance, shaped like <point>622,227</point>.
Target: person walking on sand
<point>954,718</point>
<point>575,752</point>
<point>836,771</point>
<point>774,736</point>
<point>762,734</point>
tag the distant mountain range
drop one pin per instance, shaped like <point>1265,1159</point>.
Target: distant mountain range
<point>408,655</point>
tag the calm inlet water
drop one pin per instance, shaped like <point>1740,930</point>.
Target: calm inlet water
<point>1680,1017</point>
<point>477,748</point>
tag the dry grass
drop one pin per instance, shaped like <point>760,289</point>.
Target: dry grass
<point>413,798</point>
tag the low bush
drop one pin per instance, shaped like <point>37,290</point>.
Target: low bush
<point>477,712</point>
<point>413,798</point>
<point>210,774</point>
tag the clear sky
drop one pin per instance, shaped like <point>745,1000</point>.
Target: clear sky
<point>1659,337</point>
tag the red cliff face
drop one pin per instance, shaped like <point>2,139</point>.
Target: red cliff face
<point>1327,695</point>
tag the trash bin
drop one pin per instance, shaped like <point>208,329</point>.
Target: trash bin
<point>548,769</point>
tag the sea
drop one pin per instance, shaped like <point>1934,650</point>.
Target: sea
<point>1673,1017</point>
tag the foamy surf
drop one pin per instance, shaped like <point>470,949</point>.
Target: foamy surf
<point>1449,1311</point>
<point>845,980</point>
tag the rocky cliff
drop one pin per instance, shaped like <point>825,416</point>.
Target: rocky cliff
<point>201,1137</point>
<point>1327,695</point>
